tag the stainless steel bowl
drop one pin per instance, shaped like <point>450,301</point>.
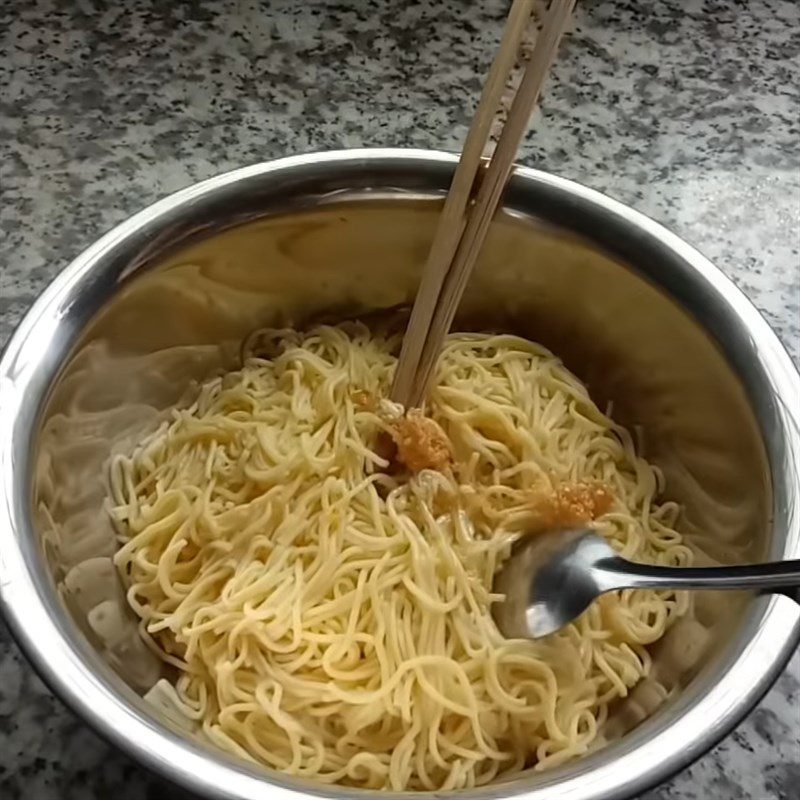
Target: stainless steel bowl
<point>162,299</point>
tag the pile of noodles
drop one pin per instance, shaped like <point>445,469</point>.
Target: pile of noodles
<point>329,617</point>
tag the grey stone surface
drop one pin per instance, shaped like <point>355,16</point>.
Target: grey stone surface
<point>689,111</point>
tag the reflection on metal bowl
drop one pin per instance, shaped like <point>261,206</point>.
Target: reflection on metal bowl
<point>163,301</point>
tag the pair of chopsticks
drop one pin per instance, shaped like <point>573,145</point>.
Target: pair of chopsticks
<point>474,196</point>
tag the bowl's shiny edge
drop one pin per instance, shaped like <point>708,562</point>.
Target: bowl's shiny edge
<point>776,623</point>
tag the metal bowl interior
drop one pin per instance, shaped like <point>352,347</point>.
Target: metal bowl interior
<point>163,300</point>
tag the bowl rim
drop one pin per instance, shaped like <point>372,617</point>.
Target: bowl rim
<point>772,635</point>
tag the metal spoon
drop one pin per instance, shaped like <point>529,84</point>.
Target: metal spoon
<point>553,577</point>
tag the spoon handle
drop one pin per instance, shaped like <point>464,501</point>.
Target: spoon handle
<point>617,573</point>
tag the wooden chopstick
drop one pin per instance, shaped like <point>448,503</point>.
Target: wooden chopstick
<point>453,217</point>
<point>491,189</point>
<point>445,284</point>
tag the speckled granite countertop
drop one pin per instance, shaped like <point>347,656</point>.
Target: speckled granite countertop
<point>688,111</point>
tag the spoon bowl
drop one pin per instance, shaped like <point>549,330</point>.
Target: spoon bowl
<point>550,579</point>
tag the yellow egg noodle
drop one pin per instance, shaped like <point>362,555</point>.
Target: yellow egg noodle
<point>332,621</point>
